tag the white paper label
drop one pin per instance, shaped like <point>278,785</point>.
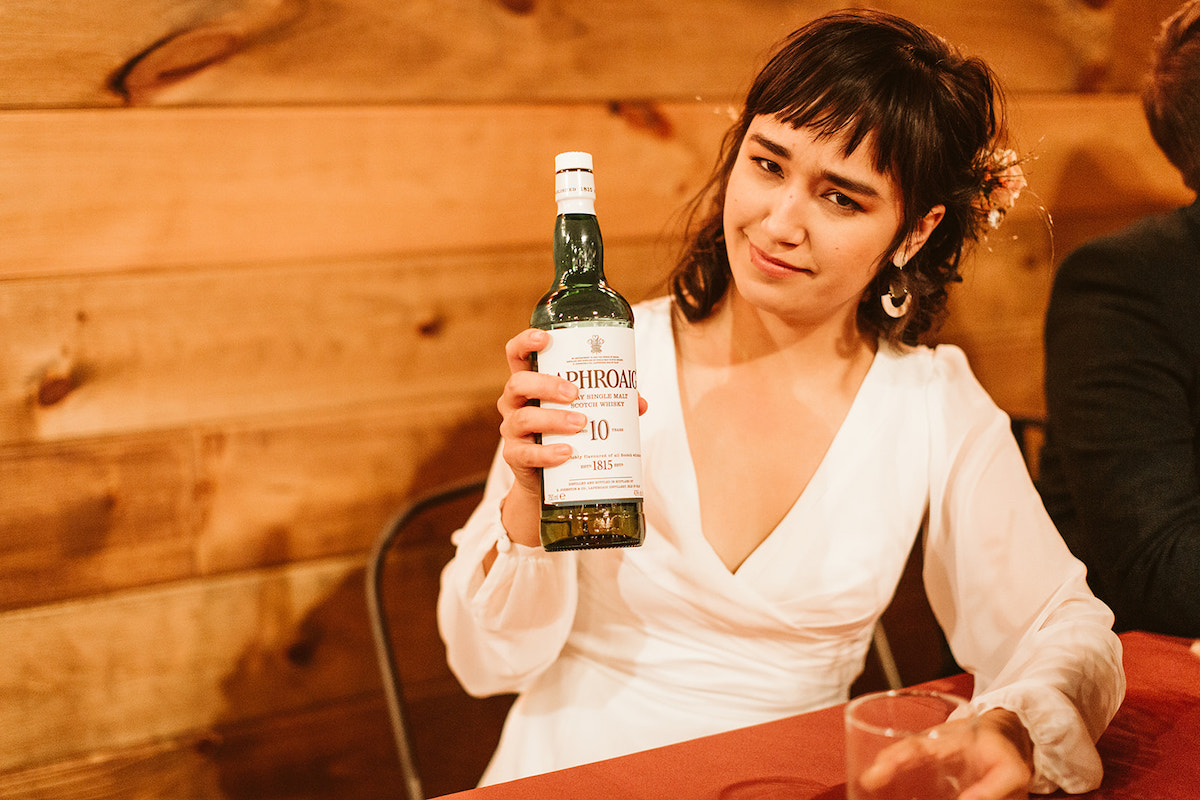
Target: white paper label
<point>606,458</point>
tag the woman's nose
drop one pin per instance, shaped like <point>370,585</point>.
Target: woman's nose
<point>785,218</point>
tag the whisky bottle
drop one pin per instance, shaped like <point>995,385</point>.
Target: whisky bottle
<point>594,499</point>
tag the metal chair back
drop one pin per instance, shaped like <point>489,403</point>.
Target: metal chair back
<point>443,736</point>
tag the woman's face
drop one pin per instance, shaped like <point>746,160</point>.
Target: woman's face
<point>806,227</point>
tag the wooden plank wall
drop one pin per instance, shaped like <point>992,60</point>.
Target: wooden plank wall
<point>259,260</point>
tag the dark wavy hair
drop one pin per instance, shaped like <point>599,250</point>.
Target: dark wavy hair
<point>1171,96</point>
<point>934,118</point>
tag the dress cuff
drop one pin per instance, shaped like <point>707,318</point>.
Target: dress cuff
<point>506,546</point>
<point>1064,757</point>
<point>515,592</point>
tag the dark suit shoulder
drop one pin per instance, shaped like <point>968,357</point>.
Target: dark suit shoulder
<point>1159,250</point>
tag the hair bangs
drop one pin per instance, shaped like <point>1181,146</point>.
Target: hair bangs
<point>845,101</point>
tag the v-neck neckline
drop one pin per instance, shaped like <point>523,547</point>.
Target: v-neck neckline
<point>807,495</point>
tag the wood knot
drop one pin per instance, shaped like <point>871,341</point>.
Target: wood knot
<point>172,59</point>
<point>643,115</point>
<point>208,744</point>
<point>432,325</point>
<point>1092,77</point>
<point>183,53</point>
<point>518,6</point>
<point>54,387</point>
<point>302,653</point>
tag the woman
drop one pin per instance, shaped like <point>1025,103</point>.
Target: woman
<point>795,441</point>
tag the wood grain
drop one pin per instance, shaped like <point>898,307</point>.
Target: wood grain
<point>288,52</point>
<point>92,516</point>
<point>195,655</point>
<point>326,486</point>
<point>101,191</point>
<point>149,664</point>
<point>328,752</point>
<point>102,355</point>
<point>98,191</point>
<point>324,753</point>
<point>83,517</point>
<point>273,336</point>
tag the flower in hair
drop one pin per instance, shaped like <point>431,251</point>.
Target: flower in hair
<point>1002,186</point>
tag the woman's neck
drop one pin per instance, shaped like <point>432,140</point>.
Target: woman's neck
<point>738,333</point>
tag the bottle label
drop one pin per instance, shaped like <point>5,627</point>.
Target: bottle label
<point>606,457</point>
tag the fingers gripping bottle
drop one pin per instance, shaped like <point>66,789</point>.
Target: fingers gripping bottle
<point>594,499</point>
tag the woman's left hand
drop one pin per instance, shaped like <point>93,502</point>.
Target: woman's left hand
<point>1004,758</point>
<point>999,759</point>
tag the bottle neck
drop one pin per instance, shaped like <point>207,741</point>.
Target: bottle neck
<point>578,249</point>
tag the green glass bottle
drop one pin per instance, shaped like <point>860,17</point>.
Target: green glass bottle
<point>594,499</point>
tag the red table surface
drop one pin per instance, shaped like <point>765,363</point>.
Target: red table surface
<point>1151,750</point>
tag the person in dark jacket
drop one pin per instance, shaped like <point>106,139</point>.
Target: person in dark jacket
<point>1120,471</point>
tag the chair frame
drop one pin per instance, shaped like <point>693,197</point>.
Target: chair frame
<point>887,661</point>
<point>384,651</point>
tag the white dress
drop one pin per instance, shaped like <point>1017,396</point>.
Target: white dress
<point>615,651</point>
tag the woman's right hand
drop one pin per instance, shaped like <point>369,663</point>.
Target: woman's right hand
<point>522,422</point>
<point>520,426</point>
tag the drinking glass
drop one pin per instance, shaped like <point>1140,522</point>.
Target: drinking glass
<point>922,761</point>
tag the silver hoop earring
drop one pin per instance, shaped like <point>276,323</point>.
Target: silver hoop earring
<point>896,300</point>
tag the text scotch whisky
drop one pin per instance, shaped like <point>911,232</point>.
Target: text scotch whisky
<point>594,499</point>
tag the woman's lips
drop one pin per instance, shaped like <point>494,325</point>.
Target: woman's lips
<point>773,267</point>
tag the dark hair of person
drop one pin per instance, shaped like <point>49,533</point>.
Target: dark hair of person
<point>1171,96</point>
<point>933,117</point>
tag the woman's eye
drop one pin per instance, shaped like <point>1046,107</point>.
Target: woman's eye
<point>767,165</point>
<point>843,201</point>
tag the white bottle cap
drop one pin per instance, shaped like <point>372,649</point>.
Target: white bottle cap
<point>574,183</point>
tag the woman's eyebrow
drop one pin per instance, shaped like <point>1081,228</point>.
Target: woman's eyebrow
<point>776,149</point>
<point>850,184</point>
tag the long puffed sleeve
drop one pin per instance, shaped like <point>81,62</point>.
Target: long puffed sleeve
<point>503,628</point>
<point>1013,601</point>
